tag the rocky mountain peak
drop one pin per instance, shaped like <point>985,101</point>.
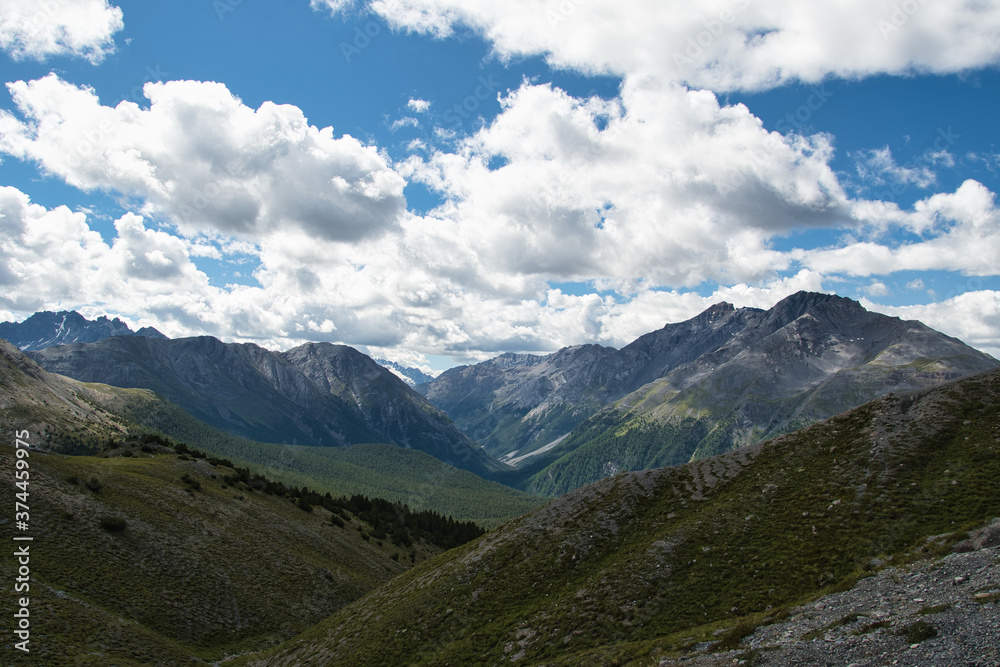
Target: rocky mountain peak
<point>717,311</point>
<point>47,329</point>
<point>722,379</point>
<point>796,305</point>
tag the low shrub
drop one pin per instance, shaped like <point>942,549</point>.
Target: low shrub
<point>918,632</point>
<point>113,524</point>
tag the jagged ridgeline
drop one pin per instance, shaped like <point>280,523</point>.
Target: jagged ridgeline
<point>46,329</point>
<point>643,565</point>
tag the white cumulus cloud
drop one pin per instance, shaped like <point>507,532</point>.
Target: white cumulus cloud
<point>973,317</point>
<point>417,105</point>
<point>664,183</point>
<point>723,44</point>
<point>39,29</point>
<point>203,158</point>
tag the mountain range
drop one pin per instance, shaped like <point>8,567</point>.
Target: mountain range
<point>46,329</point>
<point>315,394</point>
<point>170,556</point>
<point>64,416</point>
<point>724,379</point>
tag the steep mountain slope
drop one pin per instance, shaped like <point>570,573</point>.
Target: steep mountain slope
<point>726,378</point>
<point>648,563</point>
<point>400,415</point>
<point>520,401</point>
<point>59,414</point>
<point>296,397</point>
<point>46,329</point>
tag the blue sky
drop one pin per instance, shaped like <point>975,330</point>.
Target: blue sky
<point>436,182</point>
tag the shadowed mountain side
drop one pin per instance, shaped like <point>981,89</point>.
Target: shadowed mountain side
<point>66,416</point>
<point>295,397</point>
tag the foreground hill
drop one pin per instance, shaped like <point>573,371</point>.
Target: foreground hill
<point>645,565</point>
<point>724,379</point>
<point>160,558</point>
<point>315,394</point>
<point>66,416</point>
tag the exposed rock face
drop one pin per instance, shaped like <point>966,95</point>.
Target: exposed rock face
<point>46,329</point>
<point>724,379</point>
<point>316,394</point>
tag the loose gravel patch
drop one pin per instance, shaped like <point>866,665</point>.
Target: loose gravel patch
<point>941,612</point>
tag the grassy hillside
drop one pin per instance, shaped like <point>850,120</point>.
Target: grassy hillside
<point>57,411</point>
<point>157,559</point>
<point>643,564</point>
